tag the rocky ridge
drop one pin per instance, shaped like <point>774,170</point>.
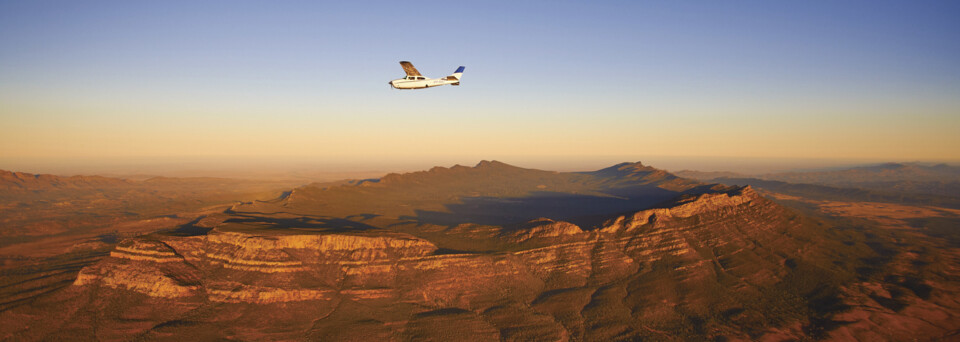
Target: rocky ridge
<point>230,265</point>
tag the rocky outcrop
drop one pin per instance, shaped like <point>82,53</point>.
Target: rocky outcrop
<point>151,265</point>
<point>687,206</point>
<point>135,277</point>
<point>145,250</point>
<point>542,230</point>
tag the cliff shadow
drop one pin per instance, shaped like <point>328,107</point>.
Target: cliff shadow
<point>306,223</point>
<point>191,228</point>
<point>579,209</point>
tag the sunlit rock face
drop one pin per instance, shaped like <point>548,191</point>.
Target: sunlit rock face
<point>151,265</point>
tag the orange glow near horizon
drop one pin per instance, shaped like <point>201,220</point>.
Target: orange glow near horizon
<point>72,131</point>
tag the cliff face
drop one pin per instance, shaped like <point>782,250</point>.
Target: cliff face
<point>709,204</point>
<point>153,266</point>
<point>704,239</point>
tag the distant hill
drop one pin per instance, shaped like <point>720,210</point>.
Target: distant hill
<point>707,175</point>
<point>913,183</point>
<point>874,174</point>
<point>492,193</point>
<point>854,194</point>
<point>33,206</point>
<point>20,181</point>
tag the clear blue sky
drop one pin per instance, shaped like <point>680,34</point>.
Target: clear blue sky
<point>99,82</point>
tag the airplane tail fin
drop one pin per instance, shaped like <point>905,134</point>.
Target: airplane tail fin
<point>456,74</point>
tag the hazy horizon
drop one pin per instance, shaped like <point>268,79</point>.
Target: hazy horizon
<point>321,170</point>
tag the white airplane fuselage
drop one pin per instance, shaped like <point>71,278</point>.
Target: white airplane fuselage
<point>418,82</point>
<point>414,80</point>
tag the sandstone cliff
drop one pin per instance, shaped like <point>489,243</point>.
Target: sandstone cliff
<point>689,242</point>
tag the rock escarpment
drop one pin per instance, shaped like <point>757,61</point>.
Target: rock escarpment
<point>155,265</point>
<point>659,258</point>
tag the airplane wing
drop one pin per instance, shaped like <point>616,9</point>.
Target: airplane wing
<point>409,69</point>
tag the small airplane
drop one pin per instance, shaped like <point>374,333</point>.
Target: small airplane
<point>416,81</point>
